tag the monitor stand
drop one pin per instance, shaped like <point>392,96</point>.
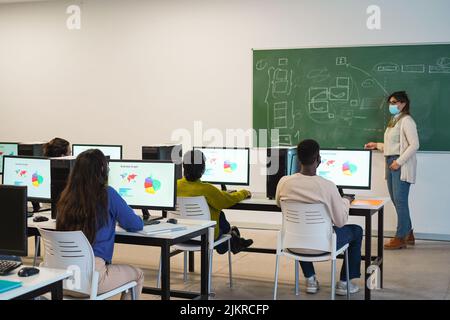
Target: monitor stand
<point>223,187</point>
<point>145,214</point>
<point>341,192</point>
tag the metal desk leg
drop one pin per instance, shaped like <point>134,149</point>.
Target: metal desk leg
<point>368,254</point>
<point>204,267</point>
<point>37,249</point>
<point>165,272</point>
<point>191,261</point>
<point>380,250</point>
<point>57,290</point>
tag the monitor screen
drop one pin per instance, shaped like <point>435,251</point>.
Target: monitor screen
<point>13,227</point>
<point>346,168</point>
<point>144,184</point>
<point>7,149</point>
<point>226,165</point>
<point>31,172</point>
<point>113,151</point>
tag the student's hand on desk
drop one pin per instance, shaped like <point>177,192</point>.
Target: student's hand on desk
<point>350,199</point>
<point>370,145</point>
<point>394,165</point>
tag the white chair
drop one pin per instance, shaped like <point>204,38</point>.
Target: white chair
<point>308,229</point>
<point>71,250</point>
<point>197,208</point>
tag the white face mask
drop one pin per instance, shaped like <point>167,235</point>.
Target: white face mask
<point>393,109</point>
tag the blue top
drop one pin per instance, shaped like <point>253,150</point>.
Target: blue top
<point>118,211</point>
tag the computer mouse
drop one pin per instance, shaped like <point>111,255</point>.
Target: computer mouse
<point>172,220</point>
<point>27,272</point>
<point>40,219</point>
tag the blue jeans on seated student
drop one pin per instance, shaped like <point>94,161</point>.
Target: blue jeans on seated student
<point>399,192</point>
<point>351,234</point>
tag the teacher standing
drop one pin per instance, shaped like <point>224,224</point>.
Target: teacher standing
<point>401,143</point>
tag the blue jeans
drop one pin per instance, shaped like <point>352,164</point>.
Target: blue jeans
<point>351,234</point>
<point>399,192</point>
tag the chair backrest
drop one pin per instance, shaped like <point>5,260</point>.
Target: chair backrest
<point>306,226</point>
<point>70,250</point>
<point>195,208</point>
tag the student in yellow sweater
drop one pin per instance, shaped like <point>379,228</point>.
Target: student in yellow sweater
<point>191,186</point>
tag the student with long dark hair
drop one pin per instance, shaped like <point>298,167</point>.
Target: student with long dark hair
<point>90,205</point>
<point>401,143</point>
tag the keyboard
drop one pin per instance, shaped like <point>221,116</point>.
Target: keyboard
<point>6,266</point>
<point>150,222</point>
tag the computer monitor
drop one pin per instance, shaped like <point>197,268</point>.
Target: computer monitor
<point>349,169</point>
<point>113,151</point>
<point>281,161</point>
<point>7,149</point>
<point>60,171</point>
<point>33,172</point>
<point>13,225</point>
<point>226,165</point>
<point>31,149</point>
<point>173,153</point>
<point>144,184</point>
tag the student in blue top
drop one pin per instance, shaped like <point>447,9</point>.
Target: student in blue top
<point>90,205</point>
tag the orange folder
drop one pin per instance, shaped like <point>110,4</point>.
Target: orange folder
<point>367,202</point>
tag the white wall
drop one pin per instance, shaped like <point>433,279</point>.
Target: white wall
<point>137,70</point>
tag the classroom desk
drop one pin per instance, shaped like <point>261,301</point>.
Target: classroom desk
<point>194,229</point>
<point>259,203</point>
<point>47,280</point>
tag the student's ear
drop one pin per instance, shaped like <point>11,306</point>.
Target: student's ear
<point>319,161</point>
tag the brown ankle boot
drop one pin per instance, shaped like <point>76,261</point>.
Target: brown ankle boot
<point>395,243</point>
<point>410,240</point>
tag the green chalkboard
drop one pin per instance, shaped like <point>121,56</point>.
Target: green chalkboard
<point>338,95</point>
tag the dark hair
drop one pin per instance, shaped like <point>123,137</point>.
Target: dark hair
<point>402,97</point>
<point>307,151</point>
<point>83,203</point>
<point>194,165</point>
<point>56,147</point>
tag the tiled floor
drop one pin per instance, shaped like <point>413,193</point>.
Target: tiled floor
<point>419,272</point>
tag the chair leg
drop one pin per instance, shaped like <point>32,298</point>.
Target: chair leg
<point>229,263</point>
<point>210,270</point>
<point>133,293</point>
<point>185,253</point>
<point>333,279</point>
<point>36,251</point>
<point>296,277</point>
<point>347,274</point>
<point>158,278</point>
<point>276,278</point>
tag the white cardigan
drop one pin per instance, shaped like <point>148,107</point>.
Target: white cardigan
<point>409,144</point>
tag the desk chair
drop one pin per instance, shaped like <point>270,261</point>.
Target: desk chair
<point>197,208</point>
<point>71,250</point>
<point>308,228</point>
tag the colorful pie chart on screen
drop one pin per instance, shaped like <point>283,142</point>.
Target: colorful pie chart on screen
<point>229,166</point>
<point>37,179</point>
<point>349,169</point>
<point>152,185</point>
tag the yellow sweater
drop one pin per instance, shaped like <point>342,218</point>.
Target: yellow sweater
<point>217,199</point>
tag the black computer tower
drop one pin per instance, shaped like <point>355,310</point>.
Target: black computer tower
<point>60,171</point>
<point>173,153</point>
<point>31,149</point>
<point>281,161</point>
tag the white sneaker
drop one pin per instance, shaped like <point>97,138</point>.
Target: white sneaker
<point>341,288</point>
<point>312,285</point>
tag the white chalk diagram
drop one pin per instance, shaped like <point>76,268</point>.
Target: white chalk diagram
<point>278,100</point>
<point>340,94</point>
<point>442,66</point>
